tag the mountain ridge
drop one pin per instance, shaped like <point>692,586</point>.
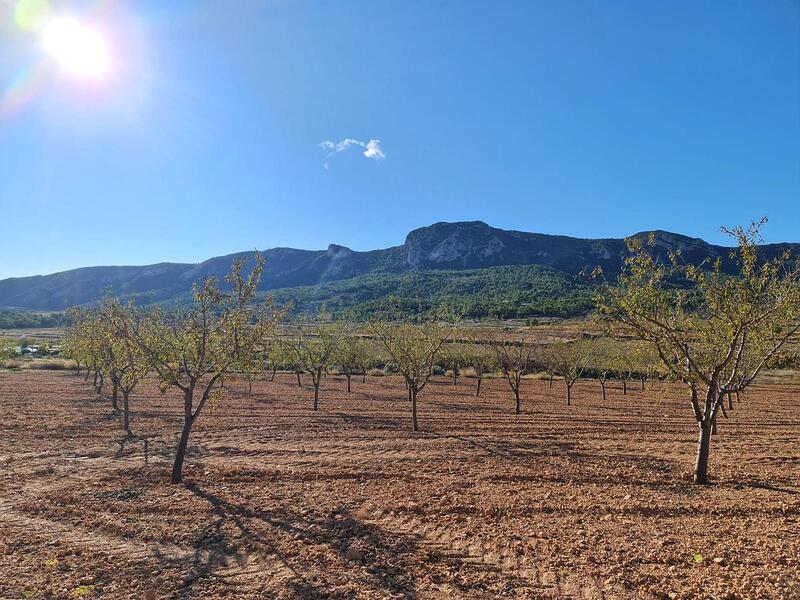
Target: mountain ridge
<point>442,246</point>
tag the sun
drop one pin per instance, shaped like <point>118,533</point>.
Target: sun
<point>79,49</point>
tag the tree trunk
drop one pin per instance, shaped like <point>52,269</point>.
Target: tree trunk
<point>730,401</point>
<point>126,422</point>
<point>272,376</point>
<point>569,391</point>
<point>114,394</point>
<point>298,380</point>
<point>703,446</point>
<point>551,380</point>
<point>517,402</point>
<point>88,372</point>
<point>364,377</point>
<point>478,389</point>
<point>180,452</point>
<point>316,392</point>
<point>738,397</point>
<point>455,377</point>
<point>641,379</point>
<point>348,382</point>
<point>414,424</point>
<point>250,386</point>
<point>624,386</point>
<point>603,389</point>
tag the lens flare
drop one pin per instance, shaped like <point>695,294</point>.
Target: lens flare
<point>77,48</point>
<point>30,14</point>
<point>24,87</point>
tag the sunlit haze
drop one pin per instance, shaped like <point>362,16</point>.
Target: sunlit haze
<point>78,48</point>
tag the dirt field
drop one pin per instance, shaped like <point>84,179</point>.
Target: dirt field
<point>590,501</point>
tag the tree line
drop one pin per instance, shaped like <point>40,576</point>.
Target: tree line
<point>714,338</point>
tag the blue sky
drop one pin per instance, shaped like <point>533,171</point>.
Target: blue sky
<point>592,119</point>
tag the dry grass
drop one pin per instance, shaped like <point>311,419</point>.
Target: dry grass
<point>780,376</point>
<point>39,364</point>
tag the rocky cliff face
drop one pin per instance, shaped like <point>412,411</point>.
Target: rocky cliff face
<point>454,246</point>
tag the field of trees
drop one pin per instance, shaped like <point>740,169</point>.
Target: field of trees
<point>396,457</point>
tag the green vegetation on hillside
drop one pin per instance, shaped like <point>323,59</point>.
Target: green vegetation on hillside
<point>495,292</point>
<point>21,319</point>
<point>506,292</point>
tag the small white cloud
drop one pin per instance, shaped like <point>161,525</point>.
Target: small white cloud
<point>372,149</point>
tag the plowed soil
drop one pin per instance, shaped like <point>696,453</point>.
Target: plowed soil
<point>589,501</point>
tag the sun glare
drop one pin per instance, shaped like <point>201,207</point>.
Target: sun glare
<point>77,48</point>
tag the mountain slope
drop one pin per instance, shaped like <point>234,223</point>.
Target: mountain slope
<point>440,247</point>
<point>504,292</point>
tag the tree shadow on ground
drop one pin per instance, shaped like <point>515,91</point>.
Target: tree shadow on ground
<point>370,421</point>
<point>770,487</point>
<point>510,449</point>
<point>257,531</point>
<point>134,445</point>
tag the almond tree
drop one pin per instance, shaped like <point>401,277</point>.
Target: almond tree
<point>568,359</point>
<point>132,365</point>
<point>482,361</point>
<point>270,355</point>
<point>515,358</point>
<point>314,350</point>
<point>453,359</point>
<point>196,348</point>
<point>636,360</point>
<point>282,356</point>
<point>85,342</point>
<point>604,362</point>
<point>110,355</point>
<point>91,348</point>
<point>414,349</point>
<point>71,343</point>
<point>352,356</point>
<point>716,333</point>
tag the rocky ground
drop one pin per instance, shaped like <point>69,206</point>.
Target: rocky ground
<point>588,501</point>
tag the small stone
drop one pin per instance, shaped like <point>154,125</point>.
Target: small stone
<point>719,560</point>
<point>354,555</point>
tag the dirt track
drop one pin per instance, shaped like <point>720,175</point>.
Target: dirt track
<point>590,501</point>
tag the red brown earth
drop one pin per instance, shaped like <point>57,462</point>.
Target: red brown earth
<point>588,501</point>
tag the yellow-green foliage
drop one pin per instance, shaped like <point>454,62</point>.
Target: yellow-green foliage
<point>8,348</point>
